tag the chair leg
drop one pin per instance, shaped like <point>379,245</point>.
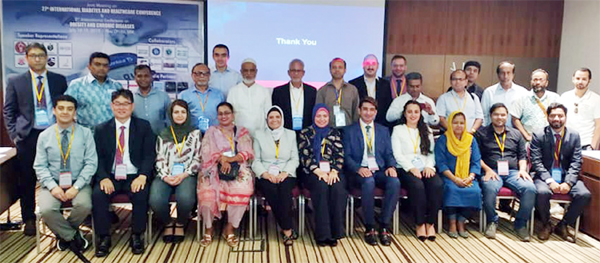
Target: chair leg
<point>482,219</point>
<point>576,228</point>
<point>149,227</point>
<point>301,214</point>
<point>93,235</point>
<point>352,216</point>
<point>440,221</point>
<point>532,222</point>
<point>37,230</point>
<point>395,219</point>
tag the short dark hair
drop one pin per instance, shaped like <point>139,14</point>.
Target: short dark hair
<point>221,46</point>
<point>498,105</point>
<point>142,67</point>
<point>35,45</point>
<point>414,75</point>
<point>125,93</point>
<point>99,55</point>
<point>584,70</point>
<point>337,59</point>
<point>554,106</point>
<point>367,100</point>
<point>226,104</point>
<point>67,98</point>
<point>472,63</point>
<point>398,57</point>
<point>199,64</point>
<point>505,62</point>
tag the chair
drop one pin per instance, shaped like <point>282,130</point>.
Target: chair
<point>357,193</point>
<point>564,199</point>
<point>67,206</point>
<point>507,194</point>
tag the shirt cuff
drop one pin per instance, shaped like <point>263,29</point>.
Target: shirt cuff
<point>80,183</point>
<point>50,184</point>
<point>550,180</point>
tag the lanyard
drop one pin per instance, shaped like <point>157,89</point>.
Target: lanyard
<point>230,141</point>
<point>176,143</point>
<point>415,144</point>
<point>323,144</point>
<point>338,96</point>
<point>64,156</point>
<point>539,102</point>
<point>503,142</point>
<point>277,150</point>
<point>297,102</point>
<point>119,142</point>
<point>38,93</point>
<point>395,87</point>
<point>458,105</point>
<point>202,105</point>
<point>371,140</point>
<point>556,153</point>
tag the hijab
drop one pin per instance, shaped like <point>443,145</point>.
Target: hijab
<point>320,133</point>
<point>461,149</point>
<point>277,132</point>
<point>180,130</point>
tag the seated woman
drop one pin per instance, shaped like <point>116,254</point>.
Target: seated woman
<point>458,159</point>
<point>412,143</point>
<point>322,159</point>
<point>177,164</point>
<point>226,181</point>
<point>275,163</point>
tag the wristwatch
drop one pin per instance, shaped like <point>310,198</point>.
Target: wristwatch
<point>76,187</point>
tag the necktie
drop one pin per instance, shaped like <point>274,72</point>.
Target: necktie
<point>369,137</point>
<point>64,144</point>
<point>557,151</point>
<point>398,87</point>
<point>119,155</point>
<point>42,102</point>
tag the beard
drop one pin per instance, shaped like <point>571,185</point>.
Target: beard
<point>248,81</point>
<point>556,124</point>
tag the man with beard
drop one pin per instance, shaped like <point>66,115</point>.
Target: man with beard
<point>529,113</point>
<point>250,100</point>
<point>584,113</point>
<point>339,95</point>
<point>378,88</point>
<point>202,100</point>
<point>556,162</point>
<point>397,80</point>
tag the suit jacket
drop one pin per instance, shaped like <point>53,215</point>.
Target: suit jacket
<point>383,94</point>
<point>141,147</point>
<point>265,153</point>
<point>542,155</point>
<point>354,147</point>
<point>281,97</point>
<point>19,105</point>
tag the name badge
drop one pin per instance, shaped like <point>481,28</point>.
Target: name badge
<point>273,169</point>
<point>120,172</point>
<point>372,163</point>
<point>340,119</point>
<point>177,168</point>
<point>297,123</point>
<point>324,166</point>
<point>203,123</point>
<point>418,163</point>
<point>64,180</point>
<point>229,154</point>
<point>557,175</point>
<point>502,167</point>
<point>41,117</point>
<point>336,109</point>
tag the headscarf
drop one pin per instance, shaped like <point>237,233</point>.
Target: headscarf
<point>180,130</point>
<point>276,133</point>
<point>320,133</point>
<point>461,149</point>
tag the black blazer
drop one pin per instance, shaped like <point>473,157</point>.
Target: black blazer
<point>19,106</point>
<point>383,94</point>
<point>281,97</point>
<point>141,147</point>
<point>542,155</point>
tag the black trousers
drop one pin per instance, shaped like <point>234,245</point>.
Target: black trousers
<point>280,199</point>
<point>579,193</point>
<point>424,196</point>
<point>101,202</point>
<point>26,178</point>
<point>329,203</point>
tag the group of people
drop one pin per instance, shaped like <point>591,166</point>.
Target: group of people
<point>91,140</point>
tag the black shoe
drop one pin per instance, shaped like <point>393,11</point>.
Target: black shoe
<point>371,237</point>
<point>563,232</point>
<point>322,243</point>
<point>137,246</point>
<point>29,229</point>
<point>103,246</point>
<point>422,238</point>
<point>62,244</point>
<point>385,237</point>
<point>430,238</point>
<point>114,218</point>
<point>81,243</point>
<point>332,242</point>
<point>178,238</point>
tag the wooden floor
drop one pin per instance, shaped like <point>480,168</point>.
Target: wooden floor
<point>15,247</point>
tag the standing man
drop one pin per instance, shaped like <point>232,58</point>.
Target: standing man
<point>339,95</point>
<point>505,91</point>
<point>65,168</point>
<point>223,78</point>
<point>250,100</point>
<point>152,104</point>
<point>370,85</point>
<point>202,100</point>
<point>556,163</point>
<point>504,161</point>
<point>472,68</point>
<point>458,99</point>
<point>415,92</point>
<point>370,163</point>
<point>529,113</point>
<point>93,92</point>
<point>583,109</point>
<point>397,80</point>
<point>296,99</point>
<point>27,112</point>
<point>126,155</point>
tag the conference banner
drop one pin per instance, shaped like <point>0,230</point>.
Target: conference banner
<point>168,36</point>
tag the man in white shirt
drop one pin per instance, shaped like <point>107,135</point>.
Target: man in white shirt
<point>583,109</point>
<point>458,99</point>
<point>296,98</point>
<point>250,100</point>
<point>505,91</point>
<point>415,92</point>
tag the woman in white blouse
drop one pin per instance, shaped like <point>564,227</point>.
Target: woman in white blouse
<point>412,143</point>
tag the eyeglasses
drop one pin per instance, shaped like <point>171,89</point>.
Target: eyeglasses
<point>121,105</point>
<point>34,56</point>
<point>201,73</point>
<point>296,70</point>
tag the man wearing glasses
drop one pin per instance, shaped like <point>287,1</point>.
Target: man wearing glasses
<point>295,98</point>
<point>458,99</point>
<point>27,112</point>
<point>202,100</point>
<point>583,113</point>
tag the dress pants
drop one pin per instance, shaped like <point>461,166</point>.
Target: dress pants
<point>329,203</point>
<point>26,180</point>
<point>53,217</point>
<point>424,195</point>
<point>280,199</point>
<point>579,193</point>
<point>391,187</point>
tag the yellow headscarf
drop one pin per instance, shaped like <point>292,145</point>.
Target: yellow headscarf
<point>461,149</point>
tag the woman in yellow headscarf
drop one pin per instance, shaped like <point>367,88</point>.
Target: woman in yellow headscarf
<point>458,158</point>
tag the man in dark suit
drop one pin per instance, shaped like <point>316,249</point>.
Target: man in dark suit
<point>296,98</point>
<point>370,162</point>
<point>370,85</point>
<point>126,155</point>
<point>556,163</point>
<point>26,116</point>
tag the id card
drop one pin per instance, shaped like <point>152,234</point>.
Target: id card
<point>372,163</point>
<point>297,122</point>
<point>120,172</point>
<point>340,119</point>
<point>273,170</point>
<point>177,168</point>
<point>502,167</point>
<point>324,166</point>
<point>418,163</point>
<point>229,154</point>
<point>203,123</point>
<point>336,109</point>
<point>64,180</point>
<point>41,117</point>
<point>557,175</point>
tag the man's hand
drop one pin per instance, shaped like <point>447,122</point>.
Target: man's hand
<point>71,193</point>
<point>490,174</point>
<point>59,194</point>
<point>415,172</point>
<point>555,187</point>
<point>391,172</point>
<point>364,172</point>
<point>138,183</point>
<point>525,176</point>
<point>107,186</point>
<point>565,188</point>
<point>428,108</point>
<point>428,172</point>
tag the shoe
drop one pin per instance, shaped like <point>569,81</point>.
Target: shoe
<point>103,247</point>
<point>231,240</point>
<point>422,238</point>
<point>522,234</point>
<point>463,234</point>
<point>452,234</point>
<point>545,232</point>
<point>431,238</point>
<point>168,233</point>
<point>563,232</point>
<point>385,237</point>
<point>178,238</point>
<point>322,243</point>
<point>29,229</point>
<point>490,231</point>
<point>287,240</point>
<point>332,242</point>
<point>371,237</point>
<point>137,246</point>
<point>206,240</point>
<point>80,241</point>
<point>62,244</point>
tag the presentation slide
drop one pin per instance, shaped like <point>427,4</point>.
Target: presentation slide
<point>273,33</point>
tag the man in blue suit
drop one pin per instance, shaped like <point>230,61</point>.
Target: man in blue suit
<point>370,162</point>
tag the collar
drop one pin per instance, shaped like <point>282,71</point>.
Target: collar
<point>36,75</point>
<point>292,86</point>
<point>126,124</point>
<point>90,79</point>
<point>454,93</point>
<point>209,89</point>
<point>60,130</point>
<point>216,70</point>
<point>363,124</point>
<point>330,83</point>
<point>152,91</point>
<point>536,97</point>
<point>491,129</point>
<point>365,78</point>
<point>499,86</point>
